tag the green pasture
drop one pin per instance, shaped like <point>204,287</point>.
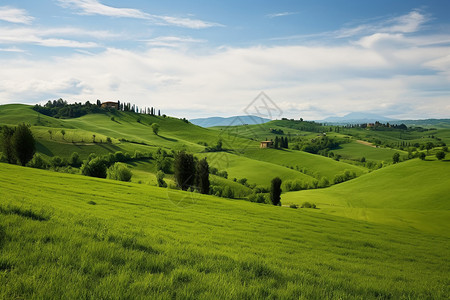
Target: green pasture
<point>75,237</point>
<point>414,194</point>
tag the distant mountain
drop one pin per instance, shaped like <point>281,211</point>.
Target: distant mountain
<point>230,121</point>
<point>356,118</point>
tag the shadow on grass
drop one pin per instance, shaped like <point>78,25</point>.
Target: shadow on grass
<point>168,139</point>
<point>25,213</point>
<point>43,149</point>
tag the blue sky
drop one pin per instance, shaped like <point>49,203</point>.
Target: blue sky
<point>212,58</point>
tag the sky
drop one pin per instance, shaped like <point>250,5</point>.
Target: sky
<point>312,59</point>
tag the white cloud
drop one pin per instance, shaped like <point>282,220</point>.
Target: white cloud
<point>282,14</point>
<point>171,41</point>
<point>15,15</point>
<point>311,82</point>
<point>94,7</point>
<point>12,49</point>
<point>28,35</point>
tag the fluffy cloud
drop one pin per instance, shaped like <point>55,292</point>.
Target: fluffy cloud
<point>15,15</point>
<point>393,72</point>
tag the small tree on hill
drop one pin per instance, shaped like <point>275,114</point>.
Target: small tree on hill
<point>50,132</point>
<point>275,191</point>
<point>160,179</point>
<point>440,155</point>
<point>23,144</point>
<point>155,128</point>
<point>63,132</point>
<point>396,157</point>
<point>94,168</point>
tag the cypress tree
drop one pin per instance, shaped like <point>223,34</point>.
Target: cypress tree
<point>275,191</point>
<point>203,176</point>
<point>23,144</point>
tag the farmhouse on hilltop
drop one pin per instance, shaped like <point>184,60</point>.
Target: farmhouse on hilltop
<point>266,144</point>
<point>110,104</point>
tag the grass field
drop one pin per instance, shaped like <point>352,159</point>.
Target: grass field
<point>313,164</point>
<point>412,194</point>
<point>69,236</point>
<point>357,151</point>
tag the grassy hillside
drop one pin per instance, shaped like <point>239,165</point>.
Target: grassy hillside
<point>356,151</point>
<point>257,172</point>
<point>313,164</point>
<point>413,193</point>
<point>69,236</point>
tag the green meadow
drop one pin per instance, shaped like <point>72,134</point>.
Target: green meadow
<point>381,235</point>
<point>69,236</point>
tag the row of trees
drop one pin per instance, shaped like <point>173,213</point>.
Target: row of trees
<point>61,109</point>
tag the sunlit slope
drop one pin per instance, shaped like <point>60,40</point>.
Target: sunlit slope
<point>355,150</point>
<point>69,236</point>
<point>413,193</point>
<point>256,171</point>
<point>124,126</point>
<point>313,164</point>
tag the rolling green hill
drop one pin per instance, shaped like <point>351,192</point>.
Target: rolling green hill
<point>413,193</point>
<point>70,236</point>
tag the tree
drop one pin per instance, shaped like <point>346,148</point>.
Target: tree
<point>93,138</point>
<point>7,147</point>
<point>119,171</point>
<point>50,133</point>
<point>184,169</point>
<point>63,132</point>
<point>94,168</point>
<point>277,143</point>
<point>155,128</point>
<point>75,160</point>
<point>422,156</point>
<point>23,144</point>
<point>396,157</point>
<point>275,191</point>
<point>440,155</point>
<point>203,176</point>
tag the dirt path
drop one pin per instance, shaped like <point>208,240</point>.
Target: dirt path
<point>366,143</point>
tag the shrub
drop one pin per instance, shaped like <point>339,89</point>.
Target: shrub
<point>75,160</point>
<point>440,155</point>
<point>227,193</point>
<point>138,155</point>
<point>257,197</point>
<point>160,179</point>
<point>293,206</point>
<point>422,156</point>
<point>57,162</point>
<point>119,156</point>
<point>223,174</point>
<point>38,162</point>
<point>324,182</point>
<point>94,168</point>
<point>108,140</point>
<point>119,171</point>
<point>308,205</point>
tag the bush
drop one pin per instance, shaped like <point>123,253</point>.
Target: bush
<point>160,179</point>
<point>38,162</point>
<point>227,193</point>
<point>440,155</point>
<point>94,168</point>
<point>223,174</point>
<point>138,155</point>
<point>308,205</point>
<point>57,162</point>
<point>257,197</point>
<point>119,171</point>
<point>324,182</point>
<point>422,156</point>
<point>293,206</point>
<point>75,160</point>
<point>119,156</point>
